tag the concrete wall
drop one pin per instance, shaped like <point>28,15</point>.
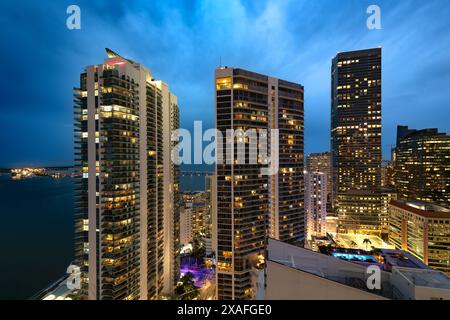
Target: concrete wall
<point>404,289</point>
<point>285,283</point>
<point>321,265</point>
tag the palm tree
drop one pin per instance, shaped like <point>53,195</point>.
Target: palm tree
<point>367,242</point>
<point>187,289</point>
<point>198,249</point>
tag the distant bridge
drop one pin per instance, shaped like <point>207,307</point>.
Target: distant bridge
<point>196,173</point>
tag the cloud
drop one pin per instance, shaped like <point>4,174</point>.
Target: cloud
<point>182,42</point>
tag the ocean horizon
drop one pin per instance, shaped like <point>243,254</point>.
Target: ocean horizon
<point>38,227</point>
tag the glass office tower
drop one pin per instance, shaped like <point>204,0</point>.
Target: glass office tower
<point>422,165</point>
<point>356,141</point>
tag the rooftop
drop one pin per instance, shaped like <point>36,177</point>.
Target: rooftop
<point>353,271</point>
<point>426,278</point>
<point>413,133</point>
<point>400,258</point>
<point>358,241</point>
<point>423,209</point>
<point>358,53</point>
<point>56,291</point>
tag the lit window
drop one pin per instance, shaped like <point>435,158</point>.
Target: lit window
<point>223,83</point>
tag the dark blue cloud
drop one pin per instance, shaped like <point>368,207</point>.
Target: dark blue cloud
<point>181,42</point>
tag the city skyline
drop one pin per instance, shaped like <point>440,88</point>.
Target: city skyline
<point>203,35</point>
<point>225,150</point>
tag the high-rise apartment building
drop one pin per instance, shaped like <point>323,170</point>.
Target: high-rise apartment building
<point>211,188</point>
<point>322,162</point>
<point>251,205</point>
<point>422,165</point>
<point>422,229</point>
<point>186,235</point>
<point>127,219</point>
<point>356,140</point>
<point>315,204</point>
<point>197,214</point>
<point>208,216</point>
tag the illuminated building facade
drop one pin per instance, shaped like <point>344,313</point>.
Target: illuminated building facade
<point>197,212</point>
<point>422,165</point>
<point>186,225</point>
<point>251,206</point>
<point>387,195</point>
<point>315,204</point>
<point>322,162</point>
<point>211,188</point>
<point>423,229</point>
<point>356,140</point>
<point>208,216</point>
<point>127,219</point>
<point>387,174</point>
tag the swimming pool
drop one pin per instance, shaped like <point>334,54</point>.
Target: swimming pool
<point>354,257</point>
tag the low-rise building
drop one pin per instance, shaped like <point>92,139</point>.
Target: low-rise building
<point>422,229</point>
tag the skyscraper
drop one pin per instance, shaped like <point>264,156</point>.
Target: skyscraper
<point>316,204</point>
<point>422,165</point>
<point>197,211</point>
<point>127,219</point>
<point>186,224</point>
<point>250,205</point>
<point>322,162</point>
<point>356,140</point>
<point>208,217</point>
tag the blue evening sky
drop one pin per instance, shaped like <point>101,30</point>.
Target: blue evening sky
<point>182,42</point>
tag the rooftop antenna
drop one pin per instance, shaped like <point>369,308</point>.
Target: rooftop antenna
<point>220,62</point>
